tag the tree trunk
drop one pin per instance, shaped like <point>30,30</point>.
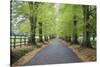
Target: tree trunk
<point>32,23</point>
<point>86,32</point>
<point>69,38</point>
<point>74,39</point>
<point>40,32</point>
<point>10,18</point>
<point>93,36</point>
<point>46,38</point>
<point>32,31</point>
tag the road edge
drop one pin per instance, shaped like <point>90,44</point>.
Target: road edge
<point>29,55</point>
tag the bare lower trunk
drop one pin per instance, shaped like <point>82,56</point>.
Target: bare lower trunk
<point>74,38</point>
<point>40,32</point>
<point>32,31</point>
<point>33,20</point>
<point>46,38</point>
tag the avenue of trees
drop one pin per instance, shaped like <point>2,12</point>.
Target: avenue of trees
<point>74,23</point>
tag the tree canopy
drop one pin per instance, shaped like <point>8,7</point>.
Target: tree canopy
<point>57,19</point>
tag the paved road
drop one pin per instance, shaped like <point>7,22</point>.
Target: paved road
<point>55,53</point>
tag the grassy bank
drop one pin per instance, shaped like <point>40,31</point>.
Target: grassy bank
<point>16,55</point>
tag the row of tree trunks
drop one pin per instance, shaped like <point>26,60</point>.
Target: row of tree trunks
<point>33,21</point>
<point>86,33</point>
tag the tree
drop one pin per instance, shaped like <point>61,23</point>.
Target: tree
<point>48,20</point>
<point>93,21</point>
<point>11,18</point>
<point>86,32</point>
<point>25,12</point>
<point>75,41</point>
<point>40,32</point>
<point>32,22</point>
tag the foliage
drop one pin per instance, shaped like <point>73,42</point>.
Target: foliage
<point>56,20</point>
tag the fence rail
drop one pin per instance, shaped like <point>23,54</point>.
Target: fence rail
<point>18,40</point>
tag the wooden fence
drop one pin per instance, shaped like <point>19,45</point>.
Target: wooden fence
<point>18,40</point>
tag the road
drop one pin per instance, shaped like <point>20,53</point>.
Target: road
<point>55,53</point>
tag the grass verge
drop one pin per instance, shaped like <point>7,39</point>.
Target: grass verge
<point>16,55</point>
<point>85,54</point>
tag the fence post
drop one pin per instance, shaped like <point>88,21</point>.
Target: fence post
<point>14,41</point>
<point>11,42</point>
<point>20,41</point>
<point>24,40</point>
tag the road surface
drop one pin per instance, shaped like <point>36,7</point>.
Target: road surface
<point>55,53</point>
